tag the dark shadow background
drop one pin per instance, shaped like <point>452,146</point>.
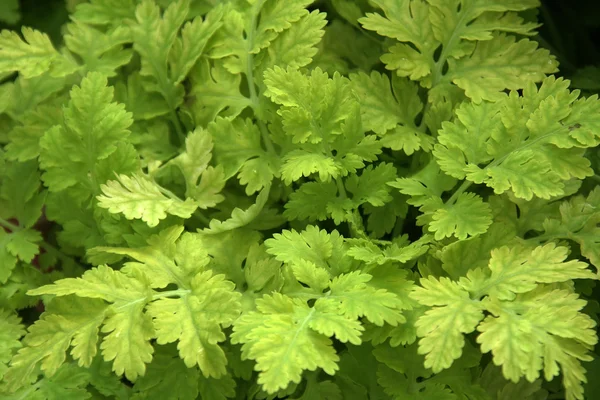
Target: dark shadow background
<point>571,31</point>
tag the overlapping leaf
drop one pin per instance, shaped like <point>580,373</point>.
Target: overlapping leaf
<point>94,132</point>
<point>474,55</point>
<point>520,331</point>
<point>519,142</point>
<point>203,303</point>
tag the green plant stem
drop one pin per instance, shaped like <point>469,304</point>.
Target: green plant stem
<point>461,189</point>
<point>436,71</point>
<point>341,188</point>
<point>178,127</point>
<point>357,228</point>
<point>422,125</point>
<point>250,78</point>
<point>168,193</point>
<point>164,83</point>
<point>202,218</point>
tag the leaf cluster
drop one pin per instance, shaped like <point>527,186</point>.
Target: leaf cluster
<point>260,199</point>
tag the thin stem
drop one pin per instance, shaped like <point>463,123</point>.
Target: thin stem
<point>436,71</point>
<point>202,218</point>
<point>264,133</point>
<point>168,193</point>
<point>357,228</point>
<point>422,126</point>
<point>341,188</point>
<point>9,225</point>
<point>543,238</point>
<point>164,84</point>
<point>178,127</point>
<point>250,78</point>
<point>368,35</point>
<point>465,185</point>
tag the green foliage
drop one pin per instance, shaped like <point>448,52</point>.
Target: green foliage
<point>260,199</point>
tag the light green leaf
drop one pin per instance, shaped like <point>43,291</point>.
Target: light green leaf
<point>20,245</point>
<point>498,64</point>
<point>23,244</point>
<point>129,329</point>
<point>19,193</point>
<point>400,251</point>
<point>405,21</point>
<point>137,197</point>
<point>11,331</point>
<point>94,129</point>
<point>312,245</point>
<point>194,36</point>
<point>166,259</point>
<point>239,217</point>
<point>102,282</point>
<point>296,46</point>
<point>250,28</point>
<point>354,298</point>
<point>257,174</point>
<point>106,12</point>
<point>519,269</point>
<point>277,17</point>
<point>306,99</point>
<point>69,382</point>
<point>68,321</point>
<point>99,51</point>
<point>477,21</point>
<point>442,328</point>
<point>519,142</point>
<point>195,320</point>
<point>542,330</point>
<point>127,342</point>
<point>153,37</point>
<point>427,183</point>
<point>236,141</point>
<point>371,186</point>
<point>327,321</point>
<point>383,107</point>
<point>208,193</point>
<point>579,222</point>
<point>194,161</point>
<point>307,272</point>
<point>279,337</point>
<point>299,163</point>
<point>315,201</point>
<point>31,56</point>
<point>215,92</point>
<point>25,137</point>
<point>469,216</point>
